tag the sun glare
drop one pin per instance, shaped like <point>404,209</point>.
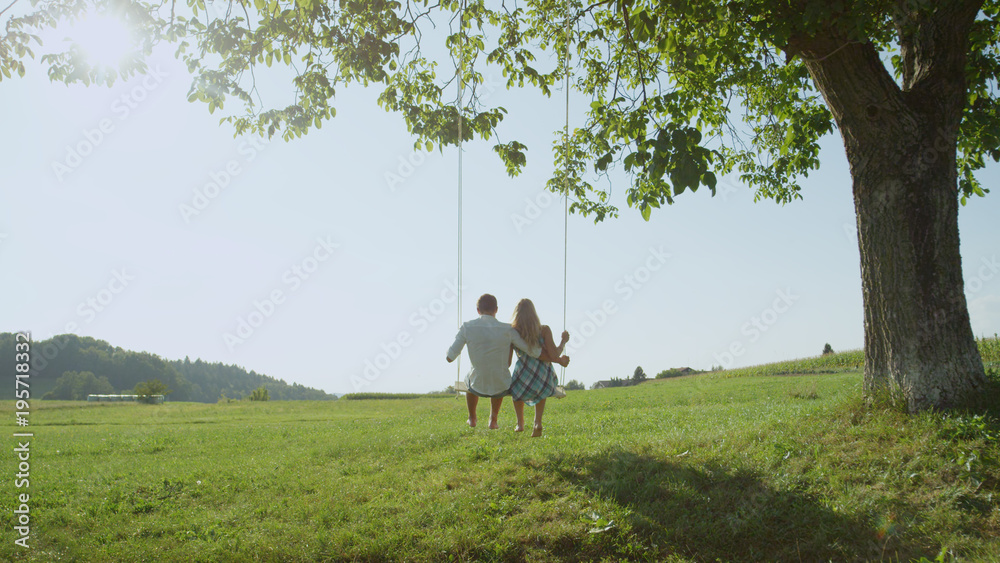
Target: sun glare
<point>105,40</point>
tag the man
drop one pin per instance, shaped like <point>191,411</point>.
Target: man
<point>489,346</point>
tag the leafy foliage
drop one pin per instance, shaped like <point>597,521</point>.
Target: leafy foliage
<point>989,349</point>
<point>124,369</point>
<point>147,389</point>
<point>75,386</point>
<point>613,382</point>
<point>259,394</point>
<point>216,379</point>
<point>574,385</point>
<point>638,376</point>
<point>676,372</point>
<point>683,92</point>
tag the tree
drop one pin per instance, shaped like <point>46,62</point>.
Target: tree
<point>147,389</point>
<point>827,350</point>
<point>638,376</point>
<point>676,372</point>
<point>909,84</point>
<point>259,394</point>
<point>75,386</point>
<point>574,385</point>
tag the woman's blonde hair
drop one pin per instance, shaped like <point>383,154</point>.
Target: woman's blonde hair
<point>526,323</point>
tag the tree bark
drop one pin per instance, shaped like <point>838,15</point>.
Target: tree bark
<point>919,345</point>
<point>901,145</point>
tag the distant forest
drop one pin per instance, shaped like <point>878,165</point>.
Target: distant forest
<point>70,367</point>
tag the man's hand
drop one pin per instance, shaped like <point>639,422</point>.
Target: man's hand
<point>449,359</point>
<point>563,361</point>
<point>565,337</point>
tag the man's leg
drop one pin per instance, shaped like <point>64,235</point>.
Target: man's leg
<point>495,403</point>
<point>519,411</point>
<point>471,401</point>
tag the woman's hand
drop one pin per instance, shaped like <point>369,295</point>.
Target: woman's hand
<point>565,338</point>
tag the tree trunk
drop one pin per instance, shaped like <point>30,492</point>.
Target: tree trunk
<point>919,345</point>
<point>901,145</point>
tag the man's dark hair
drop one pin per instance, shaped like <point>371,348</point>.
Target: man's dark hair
<point>487,303</point>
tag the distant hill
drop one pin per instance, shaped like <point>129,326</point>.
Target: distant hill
<point>90,365</point>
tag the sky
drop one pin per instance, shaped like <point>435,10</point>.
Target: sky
<point>132,216</point>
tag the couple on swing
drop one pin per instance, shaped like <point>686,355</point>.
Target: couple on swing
<point>491,349</point>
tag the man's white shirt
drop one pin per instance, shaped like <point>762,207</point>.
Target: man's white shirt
<point>489,343</point>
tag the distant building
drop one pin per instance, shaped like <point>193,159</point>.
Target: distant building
<point>604,384</point>
<point>155,399</point>
<point>676,372</point>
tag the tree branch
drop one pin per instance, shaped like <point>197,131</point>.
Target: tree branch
<point>635,47</point>
<point>8,7</point>
<point>934,48</point>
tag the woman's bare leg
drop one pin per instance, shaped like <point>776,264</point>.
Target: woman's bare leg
<point>539,410</point>
<point>519,411</point>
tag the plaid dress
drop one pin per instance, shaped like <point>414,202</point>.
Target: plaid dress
<point>533,380</point>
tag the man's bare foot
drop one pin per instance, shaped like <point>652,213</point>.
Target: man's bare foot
<point>493,424</point>
<point>537,432</point>
<point>519,428</point>
<point>471,422</point>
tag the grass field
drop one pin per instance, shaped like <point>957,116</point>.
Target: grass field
<point>701,468</point>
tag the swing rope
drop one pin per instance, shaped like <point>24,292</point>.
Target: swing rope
<point>460,74</point>
<point>562,380</point>
<point>458,104</point>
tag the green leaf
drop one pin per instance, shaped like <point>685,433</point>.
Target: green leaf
<point>603,162</point>
<point>708,178</point>
<point>646,211</point>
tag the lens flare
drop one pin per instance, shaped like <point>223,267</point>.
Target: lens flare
<point>103,39</point>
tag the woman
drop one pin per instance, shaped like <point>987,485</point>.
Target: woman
<point>534,380</point>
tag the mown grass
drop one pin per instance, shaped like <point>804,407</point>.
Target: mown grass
<point>703,468</point>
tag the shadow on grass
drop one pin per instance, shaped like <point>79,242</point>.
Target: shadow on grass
<point>715,513</point>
